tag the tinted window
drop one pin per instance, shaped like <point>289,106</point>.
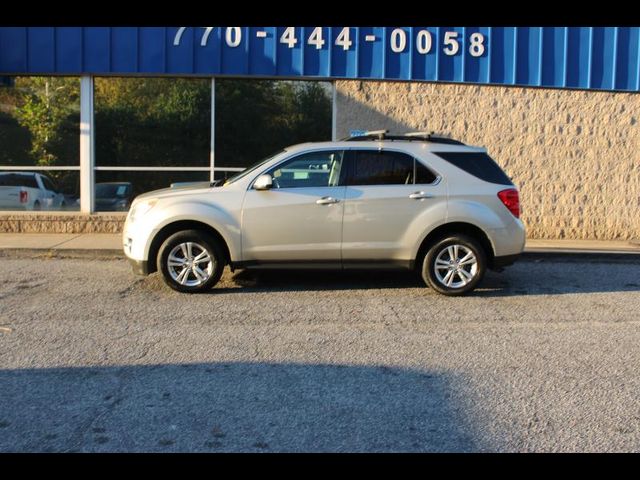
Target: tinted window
<point>20,180</point>
<point>373,167</point>
<point>314,169</point>
<point>112,190</point>
<point>423,174</point>
<point>478,164</point>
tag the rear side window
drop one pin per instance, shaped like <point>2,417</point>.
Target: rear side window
<point>424,175</point>
<point>373,167</point>
<point>19,180</point>
<point>478,164</point>
<point>28,181</point>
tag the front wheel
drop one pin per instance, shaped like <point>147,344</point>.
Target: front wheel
<point>454,265</point>
<point>191,261</point>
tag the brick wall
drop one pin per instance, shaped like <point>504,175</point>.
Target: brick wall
<point>574,154</point>
<point>61,223</point>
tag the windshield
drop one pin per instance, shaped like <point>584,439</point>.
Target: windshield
<point>111,190</point>
<point>255,166</point>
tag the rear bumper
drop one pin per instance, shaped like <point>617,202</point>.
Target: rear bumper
<point>504,261</point>
<point>140,267</point>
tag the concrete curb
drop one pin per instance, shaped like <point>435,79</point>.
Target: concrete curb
<point>98,254</point>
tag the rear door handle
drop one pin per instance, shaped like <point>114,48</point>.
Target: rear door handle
<point>327,201</point>
<point>420,195</point>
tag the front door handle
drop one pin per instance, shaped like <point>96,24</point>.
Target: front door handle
<point>420,195</point>
<point>327,201</point>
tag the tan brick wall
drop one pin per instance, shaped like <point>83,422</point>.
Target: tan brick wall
<point>61,223</point>
<point>573,154</point>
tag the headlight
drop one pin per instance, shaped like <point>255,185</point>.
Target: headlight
<point>140,208</point>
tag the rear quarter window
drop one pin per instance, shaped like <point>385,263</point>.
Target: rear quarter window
<point>478,164</point>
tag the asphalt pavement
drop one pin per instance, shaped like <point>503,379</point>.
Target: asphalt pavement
<point>543,357</point>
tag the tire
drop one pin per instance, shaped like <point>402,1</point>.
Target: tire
<point>185,278</point>
<point>454,279</point>
<point>36,205</point>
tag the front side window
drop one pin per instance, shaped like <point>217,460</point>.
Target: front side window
<point>313,169</point>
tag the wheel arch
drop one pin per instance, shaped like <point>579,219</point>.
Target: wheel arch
<point>452,228</point>
<point>178,226</point>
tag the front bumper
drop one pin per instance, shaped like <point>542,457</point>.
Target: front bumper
<point>140,267</point>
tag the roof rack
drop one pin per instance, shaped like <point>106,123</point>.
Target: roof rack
<point>379,135</point>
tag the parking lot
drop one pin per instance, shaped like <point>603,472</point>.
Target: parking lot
<point>543,357</point>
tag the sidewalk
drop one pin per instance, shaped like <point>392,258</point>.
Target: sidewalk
<point>112,243</point>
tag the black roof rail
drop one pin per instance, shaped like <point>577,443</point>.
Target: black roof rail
<point>378,135</point>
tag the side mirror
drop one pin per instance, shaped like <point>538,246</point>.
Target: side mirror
<point>263,182</point>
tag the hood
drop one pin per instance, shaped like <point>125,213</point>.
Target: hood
<point>177,190</point>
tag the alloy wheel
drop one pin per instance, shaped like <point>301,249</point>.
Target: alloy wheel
<point>455,266</point>
<point>190,264</point>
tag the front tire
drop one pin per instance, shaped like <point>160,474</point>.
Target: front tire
<point>191,261</point>
<point>454,265</point>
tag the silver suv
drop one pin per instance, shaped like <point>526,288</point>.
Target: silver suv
<point>414,201</point>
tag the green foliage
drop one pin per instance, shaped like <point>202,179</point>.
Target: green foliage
<point>255,119</point>
<point>44,108</point>
<point>160,121</point>
<point>152,121</point>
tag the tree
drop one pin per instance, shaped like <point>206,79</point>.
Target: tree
<point>44,107</point>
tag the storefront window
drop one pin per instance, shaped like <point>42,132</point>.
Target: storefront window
<point>163,123</point>
<point>149,133</point>
<point>255,118</point>
<point>115,190</point>
<point>39,148</point>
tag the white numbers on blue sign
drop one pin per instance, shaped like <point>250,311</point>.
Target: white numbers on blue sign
<point>205,36</point>
<point>316,38</point>
<point>423,42</point>
<point>397,40</point>
<point>289,37</point>
<point>343,39</point>
<point>178,37</point>
<point>476,47</point>
<point>233,36</point>
<point>451,44</point>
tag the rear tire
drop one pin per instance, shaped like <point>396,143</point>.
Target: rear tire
<point>454,265</point>
<point>191,261</point>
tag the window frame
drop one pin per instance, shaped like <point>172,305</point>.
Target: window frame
<point>350,158</point>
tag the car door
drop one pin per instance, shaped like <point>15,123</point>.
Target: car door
<point>48,192</point>
<point>391,199</point>
<point>5,190</point>
<point>300,218</point>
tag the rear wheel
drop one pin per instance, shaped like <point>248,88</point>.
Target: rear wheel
<point>191,261</point>
<point>454,265</point>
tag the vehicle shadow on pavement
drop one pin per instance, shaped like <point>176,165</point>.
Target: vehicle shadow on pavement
<point>526,277</point>
<point>254,407</point>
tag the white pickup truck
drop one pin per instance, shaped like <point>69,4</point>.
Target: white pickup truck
<point>29,191</point>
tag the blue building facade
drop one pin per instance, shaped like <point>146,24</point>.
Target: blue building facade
<point>599,58</point>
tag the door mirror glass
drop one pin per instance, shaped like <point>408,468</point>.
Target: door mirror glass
<point>263,182</point>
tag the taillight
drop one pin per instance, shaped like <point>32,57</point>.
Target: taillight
<point>24,196</point>
<point>511,200</point>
